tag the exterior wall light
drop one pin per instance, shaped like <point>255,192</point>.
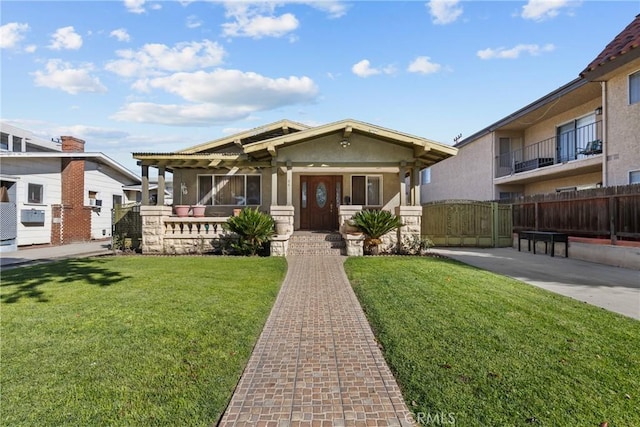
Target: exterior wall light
<point>345,143</point>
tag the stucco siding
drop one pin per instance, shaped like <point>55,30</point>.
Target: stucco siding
<point>327,149</point>
<point>623,139</point>
<point>468,175</point>
<point>552,185</point>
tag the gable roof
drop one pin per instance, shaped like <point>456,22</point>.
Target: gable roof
<point>260,145</point>
<point>271,130</point>
<point>624,45</point>
<point>424,149</point>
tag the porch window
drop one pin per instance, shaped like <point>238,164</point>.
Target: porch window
<point>634,88</point>
<point>229,190</point>
<point>366,190</point>
<point>35,193</point>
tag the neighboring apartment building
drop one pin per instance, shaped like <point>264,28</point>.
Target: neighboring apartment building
<point>56,193</point>
<point>585,134</point>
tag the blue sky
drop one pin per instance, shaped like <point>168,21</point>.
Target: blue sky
<point>157,76</point>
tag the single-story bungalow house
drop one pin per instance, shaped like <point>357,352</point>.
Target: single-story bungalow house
<point>307,178</point>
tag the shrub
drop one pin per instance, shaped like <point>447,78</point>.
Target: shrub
<point>254,228</point>
<point>375,224</point>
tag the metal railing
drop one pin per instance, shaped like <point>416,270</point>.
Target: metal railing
<point>579,143</point>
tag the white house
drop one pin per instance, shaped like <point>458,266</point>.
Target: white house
<point>53,192</point>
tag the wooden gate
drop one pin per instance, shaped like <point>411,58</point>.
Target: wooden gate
<point>467,223</point>
<point>127,226</point>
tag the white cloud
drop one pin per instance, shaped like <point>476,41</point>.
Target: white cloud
<point>11,34</point>
<point>335,9</point>
<point>193,21</point>
<point>31,48</point>
<point>514,52</point>
<point>423,65</point>
<point>153,59</point>
<point>218,97</point>
<point>135,6</point>
<point>364,69</point>
<point>61,75</point>
<point>261,26</point>
<point>237,88</point>
<point>539,10</point>
<point>121,34</point>
<point>180,115</point>
<point>444,11</point>
<point>65,38</point>
<point>91,132</point>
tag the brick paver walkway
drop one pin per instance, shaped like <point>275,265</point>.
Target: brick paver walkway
<point>316,362</point>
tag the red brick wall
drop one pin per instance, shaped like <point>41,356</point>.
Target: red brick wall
<point>56,224</point>
<point>76,218</point>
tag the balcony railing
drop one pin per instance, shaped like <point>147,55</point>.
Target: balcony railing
<point>579,143</point>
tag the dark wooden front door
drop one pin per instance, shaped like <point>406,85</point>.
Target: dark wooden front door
<point>319,201</point>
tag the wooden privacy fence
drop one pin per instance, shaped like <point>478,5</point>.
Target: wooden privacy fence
<point>467,223</point>
<point>127,225</point>
<point>612,213</point>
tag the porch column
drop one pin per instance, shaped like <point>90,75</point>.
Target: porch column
<point>145,185</point>
<point>403,186</point>
<point>274,183</point>
<point>289,184</point>
<point>161,185</point>
<point>415,189</point>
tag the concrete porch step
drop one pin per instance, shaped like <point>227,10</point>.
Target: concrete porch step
<point>313,243</point>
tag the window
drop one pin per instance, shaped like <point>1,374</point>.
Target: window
<point>634,88</point>
<point>35,193</point>
<point>4,141</point>
<point>117,200</point>
<point>425,176</point>
<point>574,137</point>
<point>634,177</point>
<point>366,190</point>
<point>17,144</point>
<point>229,190</point>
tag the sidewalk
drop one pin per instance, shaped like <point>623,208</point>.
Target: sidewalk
<point>35,255</point>
<point>316,361</point>
<point>613,288</point>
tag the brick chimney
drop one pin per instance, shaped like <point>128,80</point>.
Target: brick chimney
<point>76,218</point>
<point>72,145</point>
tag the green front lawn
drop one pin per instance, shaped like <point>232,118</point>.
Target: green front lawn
<point>130,340</point>
<point>485,350</point>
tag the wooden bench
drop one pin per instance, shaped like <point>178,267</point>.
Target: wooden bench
<point>546,237</point>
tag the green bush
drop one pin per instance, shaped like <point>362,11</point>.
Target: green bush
<point>254,228</point>
<point>375,224</point>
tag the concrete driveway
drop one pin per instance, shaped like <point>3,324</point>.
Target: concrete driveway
<point>613,288</point>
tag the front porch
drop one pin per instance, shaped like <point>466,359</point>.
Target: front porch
<point>305,178</point>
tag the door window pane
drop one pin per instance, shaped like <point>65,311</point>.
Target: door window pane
<point>321,195</point>
<point>304,195</point>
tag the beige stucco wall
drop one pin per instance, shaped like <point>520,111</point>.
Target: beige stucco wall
<point>469,175</point>
<point>623,138</point>
<point>546,128</point>
<point>550,186</point>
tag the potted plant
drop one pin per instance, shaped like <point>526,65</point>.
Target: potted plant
<point>198,210</point>
<point>375,224</point>
<point>182,210</point>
